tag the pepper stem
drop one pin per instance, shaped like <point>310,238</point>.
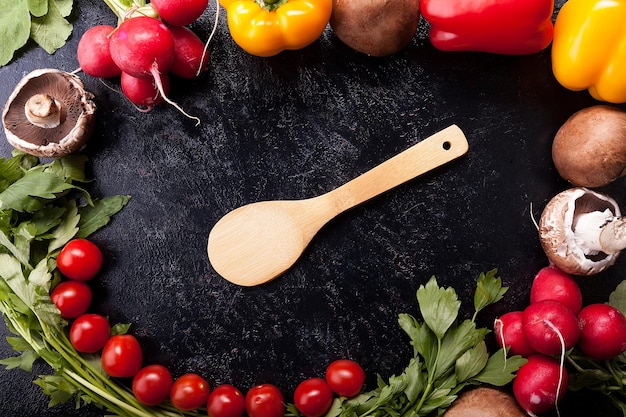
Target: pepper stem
<point>270,5</point>
<point>45,111</point>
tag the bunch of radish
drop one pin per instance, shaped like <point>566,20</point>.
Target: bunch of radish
<point>145,50</point>
<point>554,323</point>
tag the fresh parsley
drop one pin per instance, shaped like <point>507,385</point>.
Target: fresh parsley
<point>449,355</point>
<point>43,21</point>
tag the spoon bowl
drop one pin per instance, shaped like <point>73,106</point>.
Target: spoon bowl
<point>256,243</point>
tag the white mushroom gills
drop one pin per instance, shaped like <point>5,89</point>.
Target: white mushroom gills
<point>45,111</point>
<point>600,231</point>
<point>582,231</point>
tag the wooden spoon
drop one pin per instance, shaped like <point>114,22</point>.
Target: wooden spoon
<point>255,243</point>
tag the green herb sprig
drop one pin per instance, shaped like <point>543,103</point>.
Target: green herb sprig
<point>448,356</point>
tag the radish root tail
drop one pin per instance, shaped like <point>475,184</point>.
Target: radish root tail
<point>561,365</point>
<point>157,80</point>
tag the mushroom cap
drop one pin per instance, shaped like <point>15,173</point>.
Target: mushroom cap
<point>589,150</point>
<point>485,402</point>
<point>70,135</point>
<point>556,231</point>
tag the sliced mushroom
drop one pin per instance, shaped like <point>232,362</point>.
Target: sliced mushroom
<point>582,231</point>
<point>49,114</point>
<point>485,402</point>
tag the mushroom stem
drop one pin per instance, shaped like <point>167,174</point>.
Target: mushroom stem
<point>45,111</point>
<point>600,231</point>
<point>613,236</point>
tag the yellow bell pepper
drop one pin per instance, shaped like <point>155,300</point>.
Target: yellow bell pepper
<point>589,48</point>
<point>267,27</point>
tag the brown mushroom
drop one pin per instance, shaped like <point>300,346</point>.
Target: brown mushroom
<point>589,150</point>
<point>485,402</point>
<point>582,231</point>
<point>49,114</point>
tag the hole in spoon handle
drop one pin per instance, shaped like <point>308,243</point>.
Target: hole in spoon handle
<point>432,152</point>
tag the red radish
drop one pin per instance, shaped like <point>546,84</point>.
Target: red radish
<point>551,283</point>
<point>540,384</point>
<point>602,331</point>
<point>509,332</point>
<point>550,327</point>
<point>143,47</point>
<point>143,91</point>
<point>189,52</point>
<point>180,12</point>
<point>94,55</point>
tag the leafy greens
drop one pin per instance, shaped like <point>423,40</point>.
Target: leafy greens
<point>448,356</point>
<point>43,21</point>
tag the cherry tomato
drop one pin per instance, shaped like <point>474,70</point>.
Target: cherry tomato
<point>313,397</point>
<point>80,259</point>
<point>72,298</point>
<point>89,333</point>
<point>122,356</point>
<point>226,401</point>
<point>265,400</point>
<point>345,377</point>
<point>152,384</point>
<point>190,392</point>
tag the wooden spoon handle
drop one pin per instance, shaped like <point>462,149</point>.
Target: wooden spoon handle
<point>434,151</point>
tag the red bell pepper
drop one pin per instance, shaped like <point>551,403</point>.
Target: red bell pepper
<point>507,27</point>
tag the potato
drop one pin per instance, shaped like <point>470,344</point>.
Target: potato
<point>375,27</point>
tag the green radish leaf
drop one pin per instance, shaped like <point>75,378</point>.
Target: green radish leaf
<point>618,297</point>
<point>64,6</point>
<point>14,28</point>
<point>52,30</point>
<point>439,306</point>
<point>38,8</point>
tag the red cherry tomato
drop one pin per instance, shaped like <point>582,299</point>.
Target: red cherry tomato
<point>152,384</point>
<point>122,356</point>
<point>190,392</point>
<point>345,377</point>
<point>89,333</point>
<point>80,259</point>
<point>313,397</point>
<point>226,401</point>
<point>72,298</point>
<point>265,400</point>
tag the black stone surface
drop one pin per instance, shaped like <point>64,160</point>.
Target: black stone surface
<point>294,126</point>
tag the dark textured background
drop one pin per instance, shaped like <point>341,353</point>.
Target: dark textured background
<point>294,126</point>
